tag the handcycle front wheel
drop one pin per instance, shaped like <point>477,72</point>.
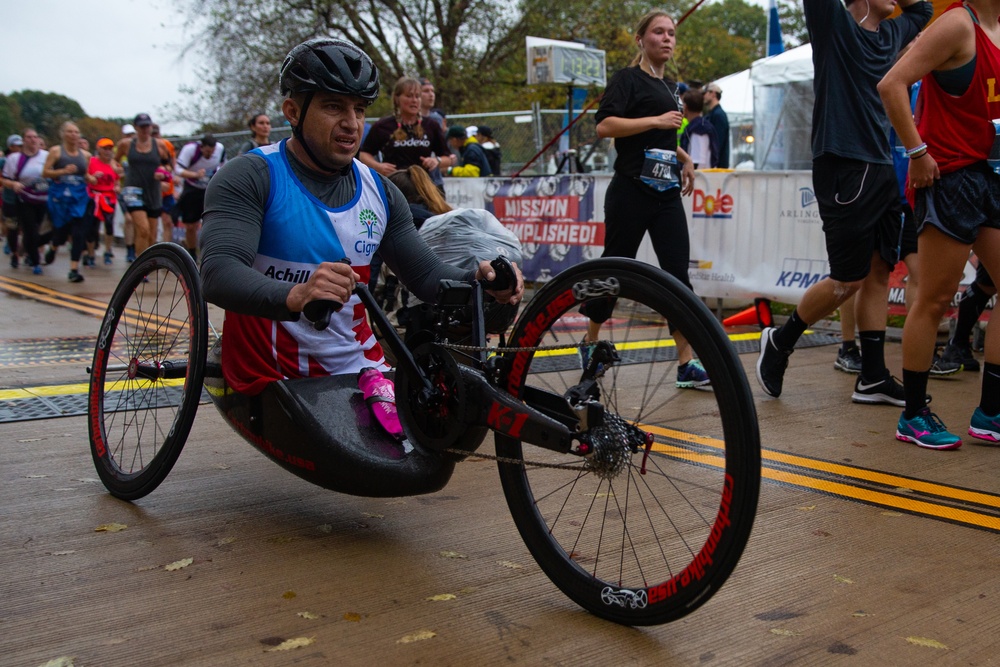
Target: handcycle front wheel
<point>636,535</point>
<point>147,372</point>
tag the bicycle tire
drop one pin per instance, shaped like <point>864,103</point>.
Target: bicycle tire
<point>156,321</point>
<point>675,533</point>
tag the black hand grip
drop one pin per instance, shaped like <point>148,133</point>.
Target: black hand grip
<point>506,277</point>
<point>318,312</point>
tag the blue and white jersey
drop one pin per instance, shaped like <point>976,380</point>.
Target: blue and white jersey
<point>298,234</point>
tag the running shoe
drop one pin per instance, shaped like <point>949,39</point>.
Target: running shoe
<point>961,354</point>
<point>985,427</point>
<point>50,256</point>
<point>942,367</point>
<point>926,430</point>
<point>75,276</point>
<point>13,262</point>
<point>37,270</point>
<point>849,362</point>
<point>692,375</point>
<point>107,258</point>
<point>771,363</point>
<point>887,390</point>
<point>130,254</point>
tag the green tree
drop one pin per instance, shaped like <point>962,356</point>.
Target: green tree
<point>47,111</point>
<point>719,39</point>
<point>793,23</point>
<point>11,121</point>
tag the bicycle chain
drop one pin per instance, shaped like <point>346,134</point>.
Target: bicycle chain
<point>515,461</point>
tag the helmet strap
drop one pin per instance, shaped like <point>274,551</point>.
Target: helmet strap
<point>300,135</point>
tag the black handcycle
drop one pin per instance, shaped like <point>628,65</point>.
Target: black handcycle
<point>635,497</point>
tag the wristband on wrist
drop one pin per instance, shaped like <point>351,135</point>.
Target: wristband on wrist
<point>916,151</point>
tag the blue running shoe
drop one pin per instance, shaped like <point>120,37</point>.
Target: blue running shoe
<point>692,375</point>
<point>985,427</point>
<point>37,270</point>
<point>926,430</point>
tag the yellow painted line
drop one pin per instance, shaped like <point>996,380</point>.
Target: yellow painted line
<point>923,507</point>
<point>73,389</point>
<point>82,304</point>
<point>841,470</point>
<point>639,345</point>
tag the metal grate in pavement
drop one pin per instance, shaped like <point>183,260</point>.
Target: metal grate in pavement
<point>73,405</point>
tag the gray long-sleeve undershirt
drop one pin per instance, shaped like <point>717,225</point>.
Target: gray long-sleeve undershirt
<point>234,213</point>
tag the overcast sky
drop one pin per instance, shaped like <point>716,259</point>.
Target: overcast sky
<point>114,57</point>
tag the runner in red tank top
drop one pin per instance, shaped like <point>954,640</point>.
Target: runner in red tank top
<point>956,196</point>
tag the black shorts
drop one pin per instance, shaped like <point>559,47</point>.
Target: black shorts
<point>862,213</point>
<point>191,205</point>
<point>961,202</point>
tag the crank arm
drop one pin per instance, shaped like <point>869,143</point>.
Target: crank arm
<point>508,416</point>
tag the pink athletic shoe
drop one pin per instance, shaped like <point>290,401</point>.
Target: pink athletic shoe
<point>380,395</point>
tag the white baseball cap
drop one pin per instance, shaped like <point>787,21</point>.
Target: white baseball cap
<point>471,130</point>
<point>128,129</point>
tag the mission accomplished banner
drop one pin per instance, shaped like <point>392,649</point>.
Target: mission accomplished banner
<point>552,216</point>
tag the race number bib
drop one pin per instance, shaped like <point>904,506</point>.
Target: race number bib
<point>659,170</point>
<point>994,158</point>
<point>132,196</point>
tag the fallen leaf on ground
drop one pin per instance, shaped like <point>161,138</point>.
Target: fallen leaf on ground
<point>224,541</point>
<point>417,636</point>
<point>288,595</point>
<point>509,565</point>
<point>785,633</point>
<point>64,661</point>
<point>373,515</point>
<point>807,508</point>
<point>861,614</point>
<point>290,644</point>
<point>35,476</point>
<point>308,614</point>
<point>925,641</point>
<point>221,466</point>
<point>325,528</point>
<point>62,553</point>
<point>283,539</point>
<point>178,564</point>
<point>441,597</point>
<point>842,580</point>
<point>352,617</point>
<point>110,528</point>
<point>452,554</point>
<point>87,480</point>
<point>892,514</point>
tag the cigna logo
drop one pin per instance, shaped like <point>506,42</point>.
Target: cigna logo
<point>705,205</point>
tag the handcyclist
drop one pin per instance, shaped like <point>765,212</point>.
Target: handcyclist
<point>279,219</point>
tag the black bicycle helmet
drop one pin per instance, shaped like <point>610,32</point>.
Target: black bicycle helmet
<point>330,65</point>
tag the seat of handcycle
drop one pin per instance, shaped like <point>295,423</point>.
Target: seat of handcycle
<point>322,430</point>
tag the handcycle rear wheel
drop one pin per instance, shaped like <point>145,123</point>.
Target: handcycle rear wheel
<point>147,373</point>
<point>651,535</point>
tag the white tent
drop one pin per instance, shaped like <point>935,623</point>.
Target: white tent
<point>782,109</point>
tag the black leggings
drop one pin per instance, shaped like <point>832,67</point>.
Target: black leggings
<point>631,209</point>
<point>30,217</point>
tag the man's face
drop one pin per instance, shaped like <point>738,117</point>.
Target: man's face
<point>427,95</point>
<point>333,126</point>
<point>206,151</point>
